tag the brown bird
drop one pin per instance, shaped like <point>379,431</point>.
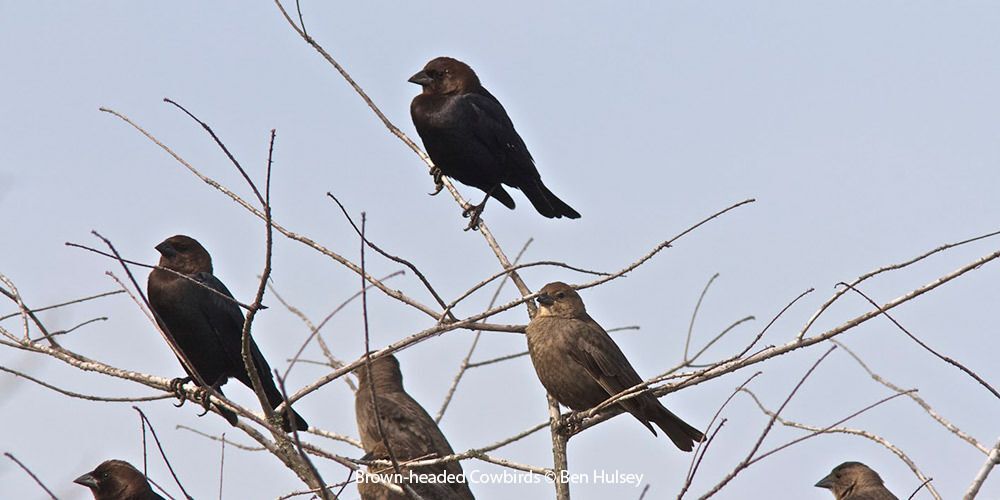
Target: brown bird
<point>409,431</point>
<point>855,481</point>
<point>471,139</point>
<point>117,480</point>
<point>206,326</point>
<point>581,366</point>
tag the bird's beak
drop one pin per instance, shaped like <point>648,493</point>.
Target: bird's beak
<point>166,249</point>
<point>87,480</point>
<point>421,78</point>
<point>826,482</point>
<point>545,299</point>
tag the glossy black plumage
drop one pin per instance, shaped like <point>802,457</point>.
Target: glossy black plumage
<point>581,366</point>
<point>206,326</point>
<point>117,480</point>
<point>409,430</point>
<point>470,138</point>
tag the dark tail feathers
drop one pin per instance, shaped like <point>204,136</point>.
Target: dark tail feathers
<point>680,432</point>
<point>547,203</point>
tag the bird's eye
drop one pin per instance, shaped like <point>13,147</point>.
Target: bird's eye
<point>560,295</point>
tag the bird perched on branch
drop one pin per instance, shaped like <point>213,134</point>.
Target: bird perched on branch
<point>581,366</point>
<point>470,138</point>
<point>117,480</point>
<point>855,481</point>
<point>409,433</point>
<point>205,323</point>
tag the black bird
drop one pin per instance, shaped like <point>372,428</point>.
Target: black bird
<point>471,139</point>
<point>410,431</point>
<point>855,481</point>
<point>117,480</point>
<point>581,366</point>
<point>206,326</point>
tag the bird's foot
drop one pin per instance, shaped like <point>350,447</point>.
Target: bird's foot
<point>204,399</point>
<point>177,387</point>
<point>472,213</point>
<point>437,174</point>
<point>569,425</point>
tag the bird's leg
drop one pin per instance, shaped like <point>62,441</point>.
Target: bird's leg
<point>437,174</point>
<point>475,211</point>
<point>569,425</point>
<point>204,396</point>
<point>177,387</point>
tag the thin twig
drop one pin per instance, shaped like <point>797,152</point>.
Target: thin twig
<point>694,314</point>
<point>368,368</point>
<point>67,303</point>
<point>917,399</point>
<point>147,424</point>
<point>826,305</point>
<point>855,432</point>
<point>767,429</point>
<point>423,279</point>
<point>913,337</point>
<point>32,474</point>
<point>464,366</point>
<point>702,447</point>
<point>84,396</point>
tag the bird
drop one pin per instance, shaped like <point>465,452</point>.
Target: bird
<point>470,138</point>
<point>117,480</point>
<point>855,481</point>
<point>409,432</point>
<point>581,366</point>
<point>205,323</point>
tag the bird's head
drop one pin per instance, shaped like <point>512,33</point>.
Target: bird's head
<point>444,75</point>
<point>384,372</point>
<point>185,255</point>
<point>114,479</point>
<point>848,476</point>
<point>561,300</point>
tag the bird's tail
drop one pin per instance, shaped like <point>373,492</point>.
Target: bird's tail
<point>547,203</point>
<point>501,195</point>
<point>274,398</point>
<point>680,432</point>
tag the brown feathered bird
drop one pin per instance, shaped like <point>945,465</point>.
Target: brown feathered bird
<point>117,480</point>
<point>468,134</point>
<point>855,481</point>
<point>581,366</point>
<point>206,326</point>
<point>410,432</point>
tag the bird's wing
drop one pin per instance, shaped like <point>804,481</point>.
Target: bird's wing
<point>409,430</point>
<point>226,320</point>
<point>495,129</point>
<point>603,359</point>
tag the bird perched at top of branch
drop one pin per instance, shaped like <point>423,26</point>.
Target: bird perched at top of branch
<point>468,134</point>
<point>409,432</point>
<point>117,480</point>
<point>855,481</point>
<point>206,327</point>
<point>581,366</point>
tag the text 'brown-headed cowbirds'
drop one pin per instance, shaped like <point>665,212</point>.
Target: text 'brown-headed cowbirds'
<point>117,480</point>
<point>409,431</point>
<point>855,481</point>
<point>206,326</point>
<point>470,138</point>
<point>581,366</point>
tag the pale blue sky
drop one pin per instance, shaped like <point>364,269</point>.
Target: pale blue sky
<point>869,132</point>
